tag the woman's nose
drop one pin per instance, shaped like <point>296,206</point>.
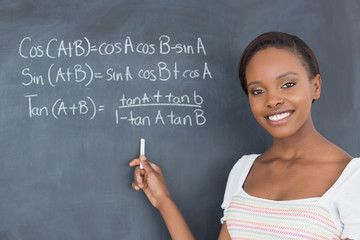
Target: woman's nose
<point>274,100</point>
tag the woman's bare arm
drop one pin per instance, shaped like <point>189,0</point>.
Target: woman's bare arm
<point>151,181</point>
<point>224,233</point>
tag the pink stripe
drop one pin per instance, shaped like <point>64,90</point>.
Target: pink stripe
<point>286,214</point>
<point>270,230</point>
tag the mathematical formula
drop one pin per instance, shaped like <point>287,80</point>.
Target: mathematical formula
<point>124,114</point>
<point>150,108</point>
<point>56,48</point>
<point>84,73</point>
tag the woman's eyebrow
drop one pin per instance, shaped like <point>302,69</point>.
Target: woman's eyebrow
<point>252,83</point>
<point>287,73</point>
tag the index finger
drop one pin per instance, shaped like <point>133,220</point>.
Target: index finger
<point>134,162</point>
<point>148,166</point>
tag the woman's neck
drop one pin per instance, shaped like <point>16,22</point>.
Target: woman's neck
<point>304,142</point>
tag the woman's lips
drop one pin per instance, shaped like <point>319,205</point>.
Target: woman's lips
<point>279,117</point>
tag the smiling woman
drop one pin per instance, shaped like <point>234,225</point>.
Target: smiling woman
<point>280,91</point>
<point>311,185</point>
<point>309,192</point>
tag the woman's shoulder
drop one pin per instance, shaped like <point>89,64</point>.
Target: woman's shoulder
<point>242,166</point>
<point>352,169</point>
<point>331,151</point>
<point>345,190</point>
<point>236,176</point>
<point>245,160</point>
<point>346,179</point>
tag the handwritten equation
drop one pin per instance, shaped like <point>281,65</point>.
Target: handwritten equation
<point>147,109</point>
<point>84,74</point>
<point>89,109</point>
<point>56,48</point>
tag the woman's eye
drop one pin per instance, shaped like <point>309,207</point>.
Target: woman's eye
<point>256,92</point>
<point>288,85</point>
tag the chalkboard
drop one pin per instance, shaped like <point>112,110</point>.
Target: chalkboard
<point>83,81</point>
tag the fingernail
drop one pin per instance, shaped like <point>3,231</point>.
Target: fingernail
<point>142,157</point>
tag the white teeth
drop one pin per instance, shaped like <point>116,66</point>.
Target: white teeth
<point>279,116</point>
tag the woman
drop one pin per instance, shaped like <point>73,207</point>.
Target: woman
<point>303,186</point>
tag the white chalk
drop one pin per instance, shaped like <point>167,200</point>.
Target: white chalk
<point>142,150</point>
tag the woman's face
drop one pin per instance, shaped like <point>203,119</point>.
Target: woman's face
<point>280,91</point>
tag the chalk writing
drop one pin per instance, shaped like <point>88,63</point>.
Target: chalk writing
<point>62,108</point>
<point>195,118</point>
<point>150,108</point>
<point>56,48</point>
<point>84,73</point>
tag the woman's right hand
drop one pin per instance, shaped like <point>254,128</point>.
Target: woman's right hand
<point>150,180</point>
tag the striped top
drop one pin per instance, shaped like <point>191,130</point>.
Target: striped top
<point>251,218</point>
<point>248,217</point>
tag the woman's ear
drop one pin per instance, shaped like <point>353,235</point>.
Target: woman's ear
<point>316,84</point>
